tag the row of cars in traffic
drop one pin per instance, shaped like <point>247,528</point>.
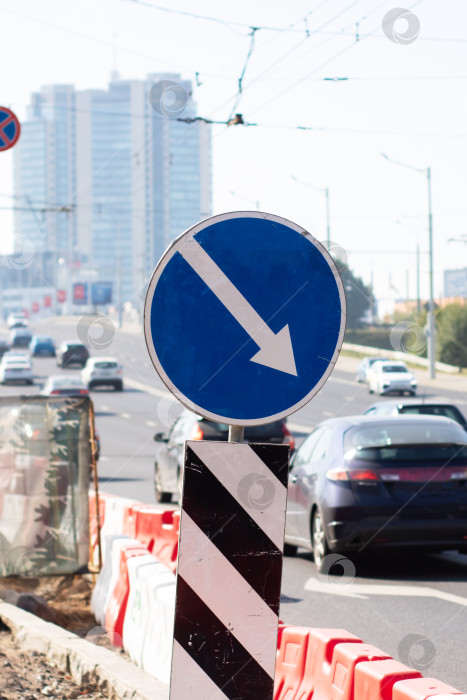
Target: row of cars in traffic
<point>16,362</point>
<point>394,477</point>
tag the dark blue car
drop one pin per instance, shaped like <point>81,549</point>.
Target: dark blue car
<point>359,483</point>
<point>42,345</point>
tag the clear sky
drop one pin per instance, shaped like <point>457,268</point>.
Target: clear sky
<point>406,100</point>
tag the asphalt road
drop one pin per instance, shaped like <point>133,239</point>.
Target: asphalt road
<point>413,606</point>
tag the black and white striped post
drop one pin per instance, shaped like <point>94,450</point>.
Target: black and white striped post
<point>229,571</point>
<point>244,320</point>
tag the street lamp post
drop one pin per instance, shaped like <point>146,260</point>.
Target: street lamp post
<point>325,191</point>
<point>431,303</point>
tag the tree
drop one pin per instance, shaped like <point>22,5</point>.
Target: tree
<point>358,296</point>
<point>451,326</point>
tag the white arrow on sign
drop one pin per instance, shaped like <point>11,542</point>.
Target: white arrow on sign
<point>275,349</point>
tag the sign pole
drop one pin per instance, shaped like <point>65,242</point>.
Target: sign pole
<point>236,433</point>
<point>244,320</point>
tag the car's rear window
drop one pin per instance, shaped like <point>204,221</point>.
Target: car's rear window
<point>433,410</point>
<point>404,441</point>
<point>394,368</point>
<point>43,339</point>
<point>66,383</point>
<point>253,433</point>
<point>75,346</point>
<point>106,365</point>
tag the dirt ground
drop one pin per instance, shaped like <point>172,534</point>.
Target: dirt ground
<point>28,676</point>
<point>67,598</point>
<point>65,601</point>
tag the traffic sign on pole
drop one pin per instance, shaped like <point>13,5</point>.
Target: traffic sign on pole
<point>244,317</point>
<point>10,129</point>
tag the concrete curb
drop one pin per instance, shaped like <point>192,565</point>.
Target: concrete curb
<point>115,677</point>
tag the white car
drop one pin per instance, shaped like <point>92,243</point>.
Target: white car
<point>17,320</point>
<point>387,377</point>
<point>16,369</point>
<point>103,371</point>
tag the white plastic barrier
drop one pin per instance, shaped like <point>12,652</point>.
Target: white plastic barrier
<point>113,520</point>
<point>107,577</point>
<point>136,616</point>
<point>159,603</point>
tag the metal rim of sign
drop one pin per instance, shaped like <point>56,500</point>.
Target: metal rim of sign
<point>15,138</point>
<point>165,259</point>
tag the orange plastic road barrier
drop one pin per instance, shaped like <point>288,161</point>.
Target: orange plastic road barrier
<point>344,661</point>
<point>421,689</point>
<point>290,664</point>
<point>374,680</point>
<point>115,613</point>
<point>158,530</point>
<point>166,544</point>
<point>321,646</point>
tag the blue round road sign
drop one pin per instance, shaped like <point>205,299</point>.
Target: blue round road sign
<point>10,128</point>
<point>244,317</point>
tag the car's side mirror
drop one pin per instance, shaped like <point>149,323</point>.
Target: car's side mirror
<point>160,437</point>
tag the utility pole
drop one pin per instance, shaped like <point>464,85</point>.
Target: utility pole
<point>431,302</point>
<point>431,312</point>
<point>418,280</point>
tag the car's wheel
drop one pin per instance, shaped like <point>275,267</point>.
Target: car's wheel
<point>319,541</point>
<point>290,550</point>
<point>370,390</point>
<point>161,496</point>
<point>90,386</point>
<point>119,386</point>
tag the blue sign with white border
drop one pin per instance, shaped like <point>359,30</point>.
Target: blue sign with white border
<point>244,317</point>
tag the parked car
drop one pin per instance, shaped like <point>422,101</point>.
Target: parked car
<point>42,345</point>
<point>16,369</point>
<point>168,466</point>
<point>17,317</point>
<point>367,482</point>
<point>71,352</point>
<point>20,337</point>
<point>386,377</point>
<point>64,385</point>
<point>425,407</point>
<point>4,347</point>
<point>365,365</point>
<point>103,371</point>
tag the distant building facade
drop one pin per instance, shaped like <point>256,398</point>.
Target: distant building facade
<point>106,179</point>
<point>455,283</point>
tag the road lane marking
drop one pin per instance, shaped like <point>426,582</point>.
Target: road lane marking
<point>125,415</point>
<point>363,590</point>
<point>151,424</point>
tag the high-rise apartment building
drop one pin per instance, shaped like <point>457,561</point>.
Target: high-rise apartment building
<point>107,178</point>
